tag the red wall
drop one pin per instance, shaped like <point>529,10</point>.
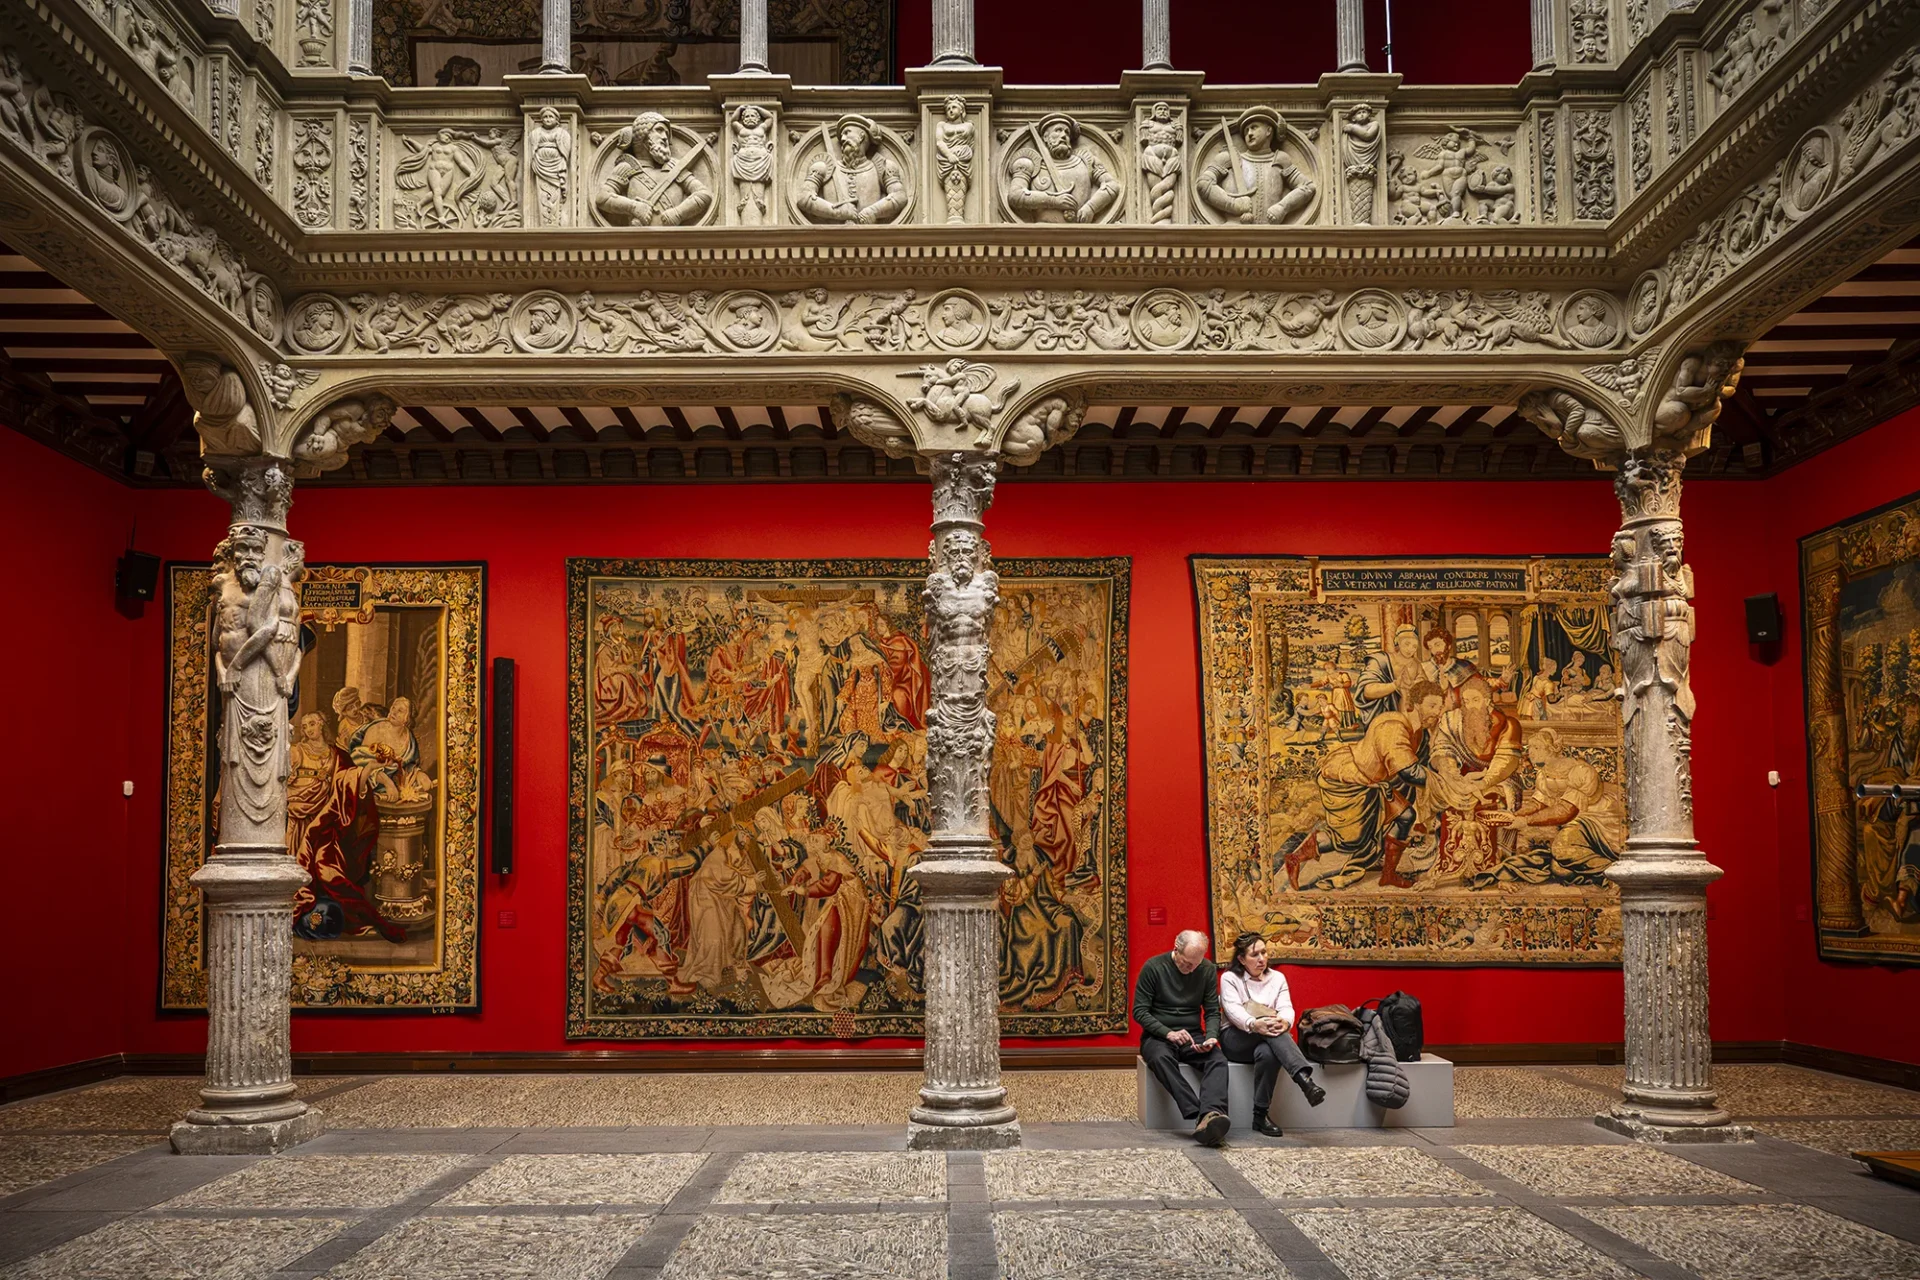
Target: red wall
<point>73,752</point>
<point>1853,1007</point>
<point>64,854</point>
<point>1233,41</point>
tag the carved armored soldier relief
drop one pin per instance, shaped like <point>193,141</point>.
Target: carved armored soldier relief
<point>550,164</point>
<point>750,165</point>
<point>652,173</point>
<point>851,172</point>
<point>1255,172</point>
<point>457,179</point>
<point>1460,175</point>
<point>1161,131</point>
<point>954,139</point>
<point>1058,171</point>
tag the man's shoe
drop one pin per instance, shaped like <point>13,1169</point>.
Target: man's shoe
<point>1212,1129</point>
<point>1263,1123</point>
<point>1314,1093</point>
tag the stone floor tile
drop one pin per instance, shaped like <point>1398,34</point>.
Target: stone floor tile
<point>766,1177</point>
<point>25,1234</point>
<point>320,1182</point>
<point>1604,1171</point>
<point>1761,1242</point>
<point>579,1179</point>
<point>1073,1097</point>
<point>135,1104</point>
<point>813,1246</point>
<point>138,1181</point>
<point>1843,1137</point>
<point>1137,1244</point>
<point>1342,1172</point>
<point>30,1159</point>
<point>1453,1242</point>
<point>179,1249</point>
<point>497,1247</point>
<point>1112,1175</point>
<point>1521,1091</point>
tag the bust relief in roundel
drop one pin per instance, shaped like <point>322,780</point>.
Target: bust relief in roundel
<point>1059,170</point>
<point>1373,320</point>
<point>542,322</point>
<point>745,321</point>
<point>1811,169</point>
<point>957,320</point>
<point>1591,320</point>
<point>316,325</point>
<point>107,173</point>
<point>653,173</point>
<point>1645,301</point>
<point>1165,320</point>
<point>1255,170</point>
<point>851,171</point>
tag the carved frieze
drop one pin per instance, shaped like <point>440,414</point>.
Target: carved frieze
<point>1255,169</point>
<point>313,170</point>
<point>1546,156</point>
<point>1640,135</point>
<point>1594,193</point>
<point>1058,169</point>
<point>456,179</point>
<point>263,144</point>
<point>49,126</point>
<point>361,165</point>
<point>958,320</point>
<point>1459,175</point>
<point>313,32</point>
<point>1589,30</point>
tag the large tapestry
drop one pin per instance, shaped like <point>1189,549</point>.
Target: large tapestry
<point>749,792</point>
<point>383,792</point>
<point>1412,760</point>
<point>1861,613</point>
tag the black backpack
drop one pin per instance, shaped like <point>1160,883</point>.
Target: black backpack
<point>1400,1015</point>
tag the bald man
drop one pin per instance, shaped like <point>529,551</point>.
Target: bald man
<point>1175,998</point>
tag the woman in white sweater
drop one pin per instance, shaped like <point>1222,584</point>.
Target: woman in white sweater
<point>1259,1029</point>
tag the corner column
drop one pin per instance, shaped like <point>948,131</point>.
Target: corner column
<point>753,35</point>
<point>953,33</point>
<point>556,37</point>
<point>1156,35</point>
<point>1541,14</point>
<point>1663,876</point>
<point>962,1102</point>
<point>247,1105</point>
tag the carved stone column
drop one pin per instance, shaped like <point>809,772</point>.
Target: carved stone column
<point>1156,35</point>
<point>556,37</point>
<point>247,1105</point>
<point>962,1103</point>
<point>953,33</point>
<point>1350,34</point>
<point>1663,876</point>
<point>359,37</point>
<point>753,35</point>
<point>1541,13</point>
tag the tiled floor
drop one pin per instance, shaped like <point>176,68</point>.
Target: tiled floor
<point>725,1177</point>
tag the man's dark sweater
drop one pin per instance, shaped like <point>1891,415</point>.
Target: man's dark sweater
<point>1166,1000</point>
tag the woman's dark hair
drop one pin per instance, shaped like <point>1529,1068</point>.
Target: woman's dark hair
<point>1242,945</point>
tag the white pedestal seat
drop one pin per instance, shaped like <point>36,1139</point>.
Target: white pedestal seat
<point>1346,1106</point>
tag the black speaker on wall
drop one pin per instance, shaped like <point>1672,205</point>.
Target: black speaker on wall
<point>501,792</point>
<point>1763,619</point>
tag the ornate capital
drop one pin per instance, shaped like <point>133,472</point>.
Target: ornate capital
<point>1678,421</point>
<point>259,489</point>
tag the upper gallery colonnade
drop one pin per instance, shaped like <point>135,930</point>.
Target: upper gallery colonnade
<point>956,266</point>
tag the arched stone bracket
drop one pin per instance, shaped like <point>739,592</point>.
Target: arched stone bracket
<point>241,416</point>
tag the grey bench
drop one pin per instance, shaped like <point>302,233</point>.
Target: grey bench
<point>1346,1107</point>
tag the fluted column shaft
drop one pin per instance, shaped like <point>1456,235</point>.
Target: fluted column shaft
<point>1350,34</point>
<point>556,37</point>
<point>1156,35</point>
<point>247,1102</point>
<point>360,37</point>
<point>1662,876</point>
<point>962,1103</point>
<point>1541,13</point>
<point>753,35</point>
<point>953,33</point>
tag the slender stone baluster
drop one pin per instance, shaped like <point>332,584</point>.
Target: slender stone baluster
<point>753,35</point>
<point>247,1103</point>
<point>962,1103</point>
<point>953,33</point>
<point>1541,13</point>
<point>1350,34</point>
<point>360,37</point>
<point>556,37</point>
<point>1156,35</point>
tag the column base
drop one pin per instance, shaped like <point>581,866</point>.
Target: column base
<point>259,1138</point>
<point>962,1137</point>
<point>1652,1125</point>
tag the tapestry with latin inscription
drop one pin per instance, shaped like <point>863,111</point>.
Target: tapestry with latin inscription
<point>383,787</point>
<point>749,797</point>
<point>1412,760</point>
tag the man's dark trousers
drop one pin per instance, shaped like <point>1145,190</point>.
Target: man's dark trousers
<point>1164,1060</point>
